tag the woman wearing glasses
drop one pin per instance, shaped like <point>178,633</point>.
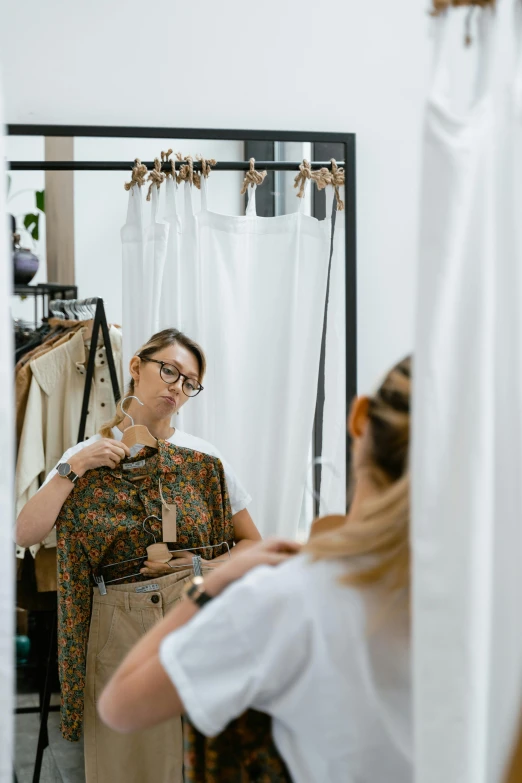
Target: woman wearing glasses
<point>165,373</point>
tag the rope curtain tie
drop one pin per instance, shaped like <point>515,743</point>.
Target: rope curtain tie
<point>439,6</point>
<point>206,168</point>
<point>252,177</point>
<point>335,178</point>
<point>156,177</point>
<point>139,172</point>
<point>165,158</point>
<point>186,171</point>
<point>305,174</point>
<point>337,181</point>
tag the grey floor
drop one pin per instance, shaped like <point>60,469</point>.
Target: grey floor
<point>63,760</point>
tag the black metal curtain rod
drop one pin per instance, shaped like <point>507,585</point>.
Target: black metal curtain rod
<point>106,165</point>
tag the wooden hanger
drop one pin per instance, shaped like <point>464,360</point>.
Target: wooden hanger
<point>136,433</point>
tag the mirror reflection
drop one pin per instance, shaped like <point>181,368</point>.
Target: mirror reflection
<point>180,340</point>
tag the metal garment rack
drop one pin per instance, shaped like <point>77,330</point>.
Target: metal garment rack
<point>109,165</point>
<point>100,322</point>
<point>44,292</point>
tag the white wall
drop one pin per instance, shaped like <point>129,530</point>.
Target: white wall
<point>21,201</point>
<point>340,65</point>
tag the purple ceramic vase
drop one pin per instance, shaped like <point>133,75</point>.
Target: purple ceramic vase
<point>25,265</point>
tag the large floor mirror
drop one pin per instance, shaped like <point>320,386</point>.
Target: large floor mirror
<point>243,240</point>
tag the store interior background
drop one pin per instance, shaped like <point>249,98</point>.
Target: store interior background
<point>347,67</point>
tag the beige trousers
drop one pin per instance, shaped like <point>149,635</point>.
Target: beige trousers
<point>119,619</point>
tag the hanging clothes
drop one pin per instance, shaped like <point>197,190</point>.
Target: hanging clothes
<point>24,373</point>
<point>467,433</point>
<point>144,248</point>
<point>119,620</point>
<point>251,291</point>
<point>54,403</point>
<point>101,522</point>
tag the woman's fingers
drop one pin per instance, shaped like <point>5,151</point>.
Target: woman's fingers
<point>283,545</point>
<point>118,445</point>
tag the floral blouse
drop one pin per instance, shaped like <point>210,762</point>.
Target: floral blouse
<point>101,523</point>
<point>244,751</point>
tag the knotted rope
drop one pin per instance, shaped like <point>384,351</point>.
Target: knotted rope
<point>335,177</point>
<point>337,181</point>
<point>165,158</point>
<point>439,6</point>
<point>186,171</point>
<point>156,177</point>
<point>305,173</point>
<point>252,177</point>
<point>139,172</point>
<point>206,167</point>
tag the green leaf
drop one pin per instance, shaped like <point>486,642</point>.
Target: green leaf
<point>31,222</point>
<point>40,200</point>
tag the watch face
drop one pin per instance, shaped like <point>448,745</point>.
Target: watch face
<point>64,469</point>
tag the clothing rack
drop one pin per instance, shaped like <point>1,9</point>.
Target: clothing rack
<point>45,292</point>
<point>106,165</point>
<point>64,307</point>
<point>100,321</point>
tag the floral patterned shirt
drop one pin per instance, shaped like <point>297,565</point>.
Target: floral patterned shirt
<point>101,522</point>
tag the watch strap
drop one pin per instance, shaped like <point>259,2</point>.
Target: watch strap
<point>71,475</point>
<point>196,592</point>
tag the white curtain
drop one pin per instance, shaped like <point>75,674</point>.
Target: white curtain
<point>467,439</point>
<point>7,599</point>
<point>251,290</point>
<point>144,249</point>
<point>333,478</point>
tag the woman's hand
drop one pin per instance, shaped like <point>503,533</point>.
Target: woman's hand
<point>101,453</point>
<point>179,560</point>
<point>273,551</point>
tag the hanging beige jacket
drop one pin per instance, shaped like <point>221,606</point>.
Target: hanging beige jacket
<point>53,410</point>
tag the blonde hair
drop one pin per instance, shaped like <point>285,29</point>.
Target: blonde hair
<point>377,543</point>
<point>158,342</point>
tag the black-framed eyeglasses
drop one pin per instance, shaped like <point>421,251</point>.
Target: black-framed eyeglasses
<point>170,374</point>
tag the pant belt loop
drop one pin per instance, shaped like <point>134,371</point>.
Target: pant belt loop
<point>127,602</point>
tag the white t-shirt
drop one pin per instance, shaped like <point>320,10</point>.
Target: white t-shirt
<point>239,497</point>
<point>323,659</point>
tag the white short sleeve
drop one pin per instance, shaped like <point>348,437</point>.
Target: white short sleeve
<point>258,633</point>
<point>239,497</point>
<point>67,456</point>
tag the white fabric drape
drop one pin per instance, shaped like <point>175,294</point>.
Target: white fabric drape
<point>7,600</point>
<point>254,298</point>
<point>144,249</point>
<point>467,440</point>
<point>333,478</point>
<point>251,291</point>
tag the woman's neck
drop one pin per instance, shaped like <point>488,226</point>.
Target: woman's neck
<point>364,490</point>
<point>158,428</point>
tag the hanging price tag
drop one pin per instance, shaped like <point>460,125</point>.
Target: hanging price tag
<point>168,518</point>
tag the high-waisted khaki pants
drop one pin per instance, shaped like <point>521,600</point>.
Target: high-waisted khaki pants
<point>119,619</point>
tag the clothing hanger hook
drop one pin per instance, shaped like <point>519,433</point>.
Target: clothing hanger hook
<point>130,397</point>
<point>151,516</point>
